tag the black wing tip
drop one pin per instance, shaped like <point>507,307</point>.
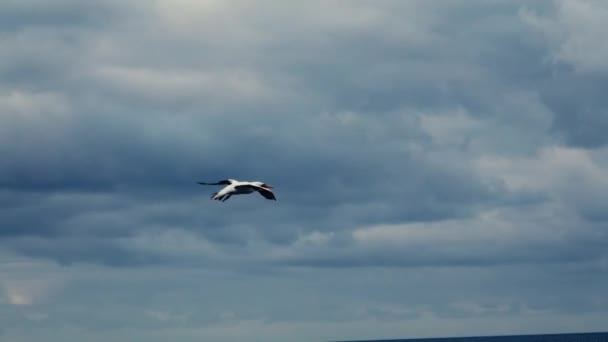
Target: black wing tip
<point>222,182</point>
<point>269,195</point>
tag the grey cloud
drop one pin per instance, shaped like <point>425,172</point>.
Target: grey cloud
<point>361,114</point>
<point>579,107</point>
<point>574,55</point>
<point>18,15</point>
<point>463,256</point>
<point>508,237</point>
<point>117,147</point>
<point>354,121</point>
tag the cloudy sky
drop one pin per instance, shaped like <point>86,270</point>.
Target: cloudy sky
<point>441,169</point>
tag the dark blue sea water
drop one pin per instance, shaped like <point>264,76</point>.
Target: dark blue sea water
<point>583,337</point>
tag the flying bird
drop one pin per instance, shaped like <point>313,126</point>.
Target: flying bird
<point>234,187</point>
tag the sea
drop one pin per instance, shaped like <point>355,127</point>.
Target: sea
<point>580,337</point>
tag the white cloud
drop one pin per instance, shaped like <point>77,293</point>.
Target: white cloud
<point>169,86</point>
<point>570,176</point>
<point>25,282</point>
<point>315,238</point>
<point>31,291</point>
<point>460,237</point>
<point>552,167</point>
<point>576,32</point>
<point>17,296</point>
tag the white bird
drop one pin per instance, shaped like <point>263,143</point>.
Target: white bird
<point>234,187</point>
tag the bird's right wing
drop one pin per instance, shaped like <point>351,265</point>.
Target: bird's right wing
<point>222,182</point>
<point>263,191</point>
<point>266,193</point>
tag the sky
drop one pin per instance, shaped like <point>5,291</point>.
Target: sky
<point>440,167</point>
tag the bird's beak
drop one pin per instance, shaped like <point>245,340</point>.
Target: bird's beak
<point>268,186</point>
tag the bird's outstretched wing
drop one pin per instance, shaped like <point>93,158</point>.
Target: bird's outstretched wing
<point>263,191</point>
<point>222,182</point>
<point>267,194</point>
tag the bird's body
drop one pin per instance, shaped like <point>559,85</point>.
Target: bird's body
<point>234,187</point>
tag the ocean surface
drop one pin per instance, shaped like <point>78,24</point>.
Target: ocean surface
<point>582,337</point>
